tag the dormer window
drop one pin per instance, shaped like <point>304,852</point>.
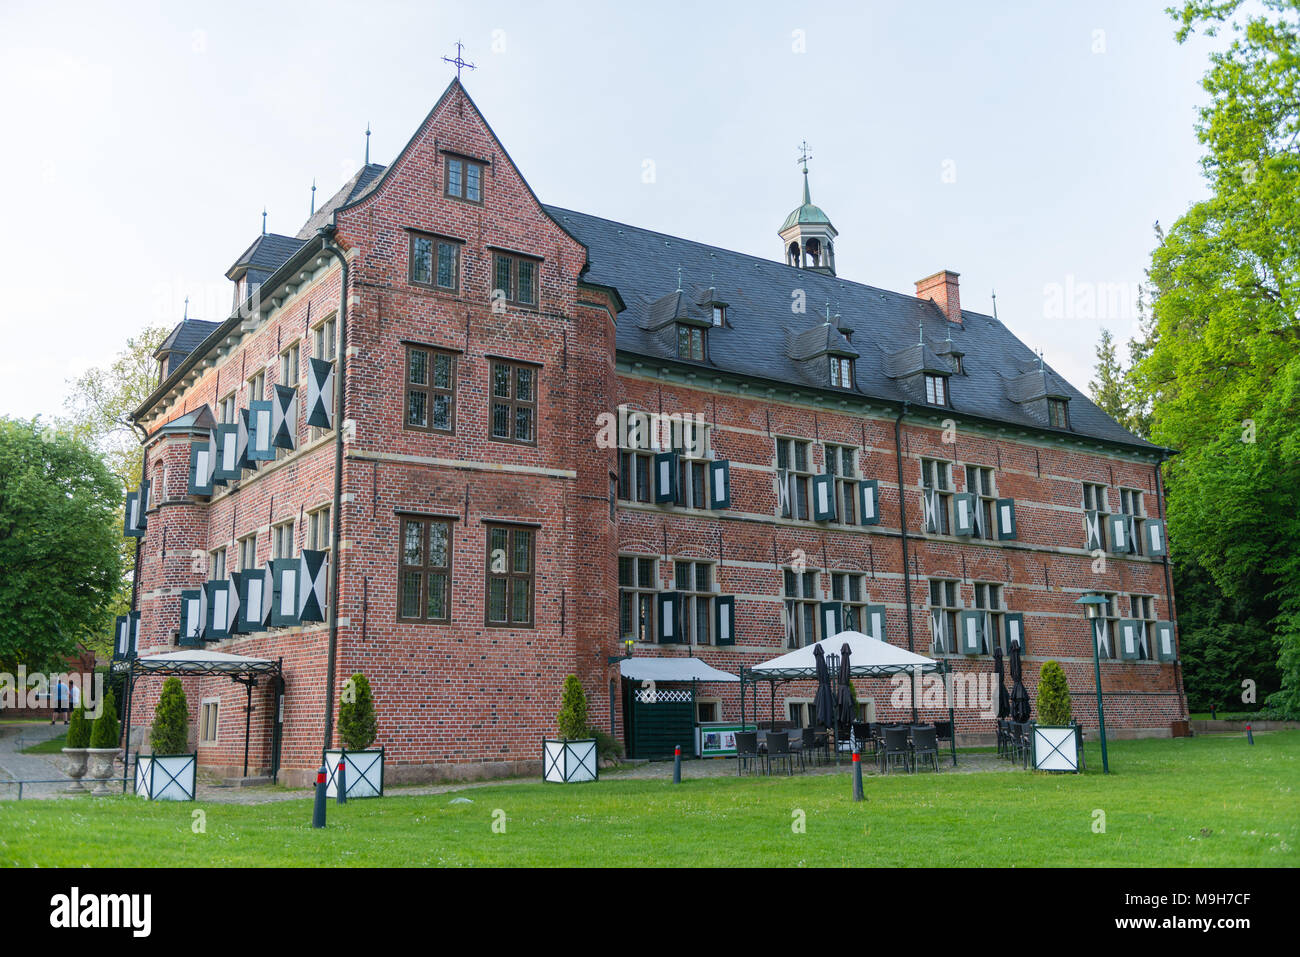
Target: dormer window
<point>719,314</point>
<point>1058,413</point>
<point>841,372</point>
<point>956,365</point>
<point>690,342</point>
<point>936,390</point>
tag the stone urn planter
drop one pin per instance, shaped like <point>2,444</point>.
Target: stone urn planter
<point>76,769</point>
<point>101,769</point>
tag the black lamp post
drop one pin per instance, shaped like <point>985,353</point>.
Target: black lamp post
<point>1096,601</point>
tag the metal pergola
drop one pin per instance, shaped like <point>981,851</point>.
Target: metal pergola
<point>205,664</point>
<point>780,676</point>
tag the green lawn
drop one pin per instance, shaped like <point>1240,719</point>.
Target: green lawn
<point>1187,801</point>
<point>53,746</point>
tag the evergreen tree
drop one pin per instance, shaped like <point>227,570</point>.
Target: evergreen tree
<point>106,732</point>
<point>1053,695</point>
<point>572,719</point>
<point>171,721</point>
<point>357,723</point>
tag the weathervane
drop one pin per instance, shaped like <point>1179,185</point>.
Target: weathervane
<point>459,63</point>
<point>804,155</point>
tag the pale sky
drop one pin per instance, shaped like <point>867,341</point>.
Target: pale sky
<point>1029,146</point>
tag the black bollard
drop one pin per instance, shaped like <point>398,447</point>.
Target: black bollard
<point>1250,738</point>
<point>677,764</point>
<point>857,773</point>
<point>318,812</point>
<point>341,779</point>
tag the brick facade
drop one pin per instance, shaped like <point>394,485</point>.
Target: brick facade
<point>462,698</point>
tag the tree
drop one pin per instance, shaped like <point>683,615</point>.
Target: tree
<point>1107,390</point>
<point>572,719</point>
<point>357,724</point>
<point>1053,695</point>
<point>99,407</point>
<point>78,728</point>
<point>171,720</point>
<point>1222,374</point>
<point>105,731</point>
<point>60,561</point>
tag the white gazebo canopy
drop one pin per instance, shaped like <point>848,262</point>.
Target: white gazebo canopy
<point>671,669</point>
<point>868,657</point>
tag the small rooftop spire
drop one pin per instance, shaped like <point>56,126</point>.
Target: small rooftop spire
<point>367,142</point>
<point>185,317</point>
<point>679,278</point>
<point>995,303</point>
<point>263,220</point>
<point>313,196</point>
<point>920,328</point>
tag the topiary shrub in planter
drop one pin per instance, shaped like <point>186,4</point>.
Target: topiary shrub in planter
<point>1056,742</point>
<point>363,774</point>
<point>103,745</point>
<point>171,720</point>
<point>573,757</point>
<point>75,752</point>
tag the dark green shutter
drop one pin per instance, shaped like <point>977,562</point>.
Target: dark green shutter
<point>1092,529</point>
<point>930,505</point>
<point>873,621</point>
<point>199,484</point>
<point>665,477</point>
<point>720,484</point>
<point>1166,650</point>
<point>1005,513</point>
<point>1013,623</point>
<point>963,508</point>
<point>668,627</point>
<point>191,631</point>
<point>217,625</point>
<point>228,466</point>
<point>823,489</point>
<point>284,610</point>
<point>1129,638</point>
<point>1118,533</point>
<point>969,624</point>
<point>1154,530</point>
<point>724,619</point>
<point>869,502</point>
<point>831,615</point>
<point>131,519</point>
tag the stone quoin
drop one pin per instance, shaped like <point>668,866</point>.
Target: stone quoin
<point>493,543</point>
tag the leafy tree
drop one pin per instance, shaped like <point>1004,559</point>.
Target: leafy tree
<point>1107,390</point>
<point>572,719</point>
<point>357,724</point>
<point>171,720</point>
<point>106,732</point>
<point>1053,695</point>
<point>60,529</point>
<point>99,407</point>
<point>78,728</point>
<point>1222,373</point>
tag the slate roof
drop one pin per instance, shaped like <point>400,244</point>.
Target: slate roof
<point>362,182</point>
<point>187,334</point>
<point>642,265</point>
<point>266,254</point>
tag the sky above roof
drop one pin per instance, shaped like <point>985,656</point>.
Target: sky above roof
<point>1030,147</point>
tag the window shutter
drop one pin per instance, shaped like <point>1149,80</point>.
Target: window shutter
<point>260,448</point>
<point>284,608</point>
<point>930,510</point>
<point>869,501</point>
<point>242,438</point>
<point>131,527</point>
<point>1165,650</point>
<point>1132,534</point>
<point>191,617</point>
<point>1092,529</point>
<point>234,604</point>
<point>1013,623</point>
<point>313,569</point>
<point>1006,512</point>
<point>1128,638</point>
<point>218,623</point>
<point>791,628</point>
<point>937,628</point>
<point>720,484</point>
<point>964,505</point>
<point>253,599</point>
<point>1154,530</point>
<point>665,477</point>
<point>968,624</point>
<point>874,621</point>
<point>1118,533</point>
<point>668,628</point>
<point>724,619</point>
<point>227,460</point>
<point>284,417</point>
<point>1101,635</point>
<point>320,393</point>
<point>133,632</point>
<point>832,618</point>
<point>200,459</point>
<point>823,498</point>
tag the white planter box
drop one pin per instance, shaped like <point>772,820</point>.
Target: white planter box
<point>364,777</point>
<point>165,777</point>
<point>569,762</point>
<point>1056,748</point>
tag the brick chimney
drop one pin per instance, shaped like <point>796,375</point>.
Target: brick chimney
<point>942,289</point>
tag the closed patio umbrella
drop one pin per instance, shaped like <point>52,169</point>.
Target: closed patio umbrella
<point>844,698</point>
<point>1004,700</point>
<point>1019,696</point>
<point>824,703</point>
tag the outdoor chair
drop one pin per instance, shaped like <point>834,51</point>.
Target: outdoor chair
<point>1022,742</point>
<point>778,749</point>
<point>747,751</point>
<point>925,744</point>
<point>895,747</point>
<point>808,744</point>
<point>1004,738</point>
<point>1078,740</point>
<point>862,735</point>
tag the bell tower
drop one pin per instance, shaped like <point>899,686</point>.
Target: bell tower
<point>807,236</point>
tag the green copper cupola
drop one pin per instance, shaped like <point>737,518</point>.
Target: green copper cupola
<point>807,236</point>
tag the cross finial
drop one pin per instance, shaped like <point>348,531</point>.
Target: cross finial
<point>458,62</point>
<point>804,155</point>
<point>367,142</point>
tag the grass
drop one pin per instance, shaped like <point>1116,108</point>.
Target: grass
<point>1204,801</point>
<point>52,746</point>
